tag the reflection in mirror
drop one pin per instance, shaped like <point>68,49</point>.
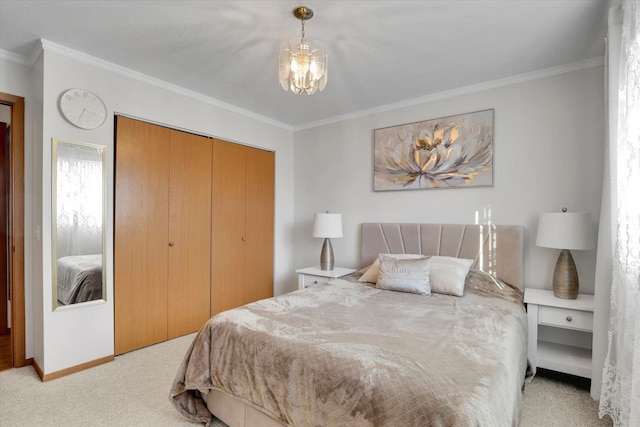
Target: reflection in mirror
<point>78,222</point>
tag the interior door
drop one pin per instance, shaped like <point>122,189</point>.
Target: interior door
<point>141,234</point>
<point>4,231</point>
<point>189,233</point>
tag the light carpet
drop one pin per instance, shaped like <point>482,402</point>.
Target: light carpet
<point>133,390</point>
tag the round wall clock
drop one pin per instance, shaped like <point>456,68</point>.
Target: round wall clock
<point>82,108</point>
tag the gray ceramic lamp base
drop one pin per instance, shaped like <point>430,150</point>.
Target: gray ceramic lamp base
<point>326,256</point>
<point>565,277</point>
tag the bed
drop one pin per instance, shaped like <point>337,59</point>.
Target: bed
<point>349,353</point>
<point>79,278</point>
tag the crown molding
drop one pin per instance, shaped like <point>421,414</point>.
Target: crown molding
<point>493,84</point>
<point>14,57</point>
<point>127,72</point>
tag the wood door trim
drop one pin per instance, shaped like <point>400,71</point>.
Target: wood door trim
<point>16,220</point>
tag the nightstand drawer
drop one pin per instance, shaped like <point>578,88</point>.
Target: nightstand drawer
<point>314,275</point>
<point>308,280</point>
<point>566,318</point>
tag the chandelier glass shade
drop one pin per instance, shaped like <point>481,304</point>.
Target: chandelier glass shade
<point>302,63</point>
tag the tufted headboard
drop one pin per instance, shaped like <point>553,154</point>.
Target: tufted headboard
<point>496,249</point>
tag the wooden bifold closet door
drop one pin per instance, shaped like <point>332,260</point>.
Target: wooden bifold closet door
<point>162,233</point>
<point>242,218</point>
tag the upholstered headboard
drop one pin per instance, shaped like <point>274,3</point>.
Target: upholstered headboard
<point>496,249</point>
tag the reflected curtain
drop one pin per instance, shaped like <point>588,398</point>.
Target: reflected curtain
<point>79,206</point>
<point>620,393</point>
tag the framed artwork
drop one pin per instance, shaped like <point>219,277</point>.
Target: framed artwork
<point>454,151</point>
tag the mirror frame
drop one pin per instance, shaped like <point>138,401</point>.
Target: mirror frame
<point>54,222</point>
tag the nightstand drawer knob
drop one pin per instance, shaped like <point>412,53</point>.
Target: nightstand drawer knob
<point>315,282</point>
<point>569,318</point>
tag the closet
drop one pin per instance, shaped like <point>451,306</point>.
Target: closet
<point>193,230</point>
<point>242,217</point>
<point>162,233</point>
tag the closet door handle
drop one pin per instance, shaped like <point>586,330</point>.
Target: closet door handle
<point>170,243</point>
<point>244,239</point>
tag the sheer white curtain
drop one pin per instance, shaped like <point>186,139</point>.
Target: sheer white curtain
<point>606,229</point>
<point>79,206</point>
<point>620,393</point>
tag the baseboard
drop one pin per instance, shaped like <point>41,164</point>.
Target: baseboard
<point>68,371</point>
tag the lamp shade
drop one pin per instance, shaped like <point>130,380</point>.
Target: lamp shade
<point>565,230</point>
<point>327,225</point>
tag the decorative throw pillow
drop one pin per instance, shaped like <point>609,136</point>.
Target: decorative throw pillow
<point>404,275</point>
<point>371,273</point>
<point>448,275</point>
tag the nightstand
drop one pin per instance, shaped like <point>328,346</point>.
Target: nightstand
<point>544,310</point>
<point>312,275</point>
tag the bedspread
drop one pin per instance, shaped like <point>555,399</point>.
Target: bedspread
<point>348,354</point>
<point>79,278</point>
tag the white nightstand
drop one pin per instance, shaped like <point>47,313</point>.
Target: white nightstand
<point>575,316</point>
<point>312,275</point>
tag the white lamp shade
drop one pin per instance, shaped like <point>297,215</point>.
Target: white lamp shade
<point>327,225</point>
<point>565,230</point>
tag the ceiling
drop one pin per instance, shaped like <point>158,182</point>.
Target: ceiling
<point>380,52</point>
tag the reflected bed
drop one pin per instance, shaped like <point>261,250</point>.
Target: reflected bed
<point>349,353</point>
<point>79,278</point>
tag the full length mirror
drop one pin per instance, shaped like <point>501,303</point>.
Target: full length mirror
<point>78,252</point>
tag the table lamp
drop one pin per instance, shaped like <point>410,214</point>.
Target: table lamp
<point>327,225</point>
<point>567,231</point>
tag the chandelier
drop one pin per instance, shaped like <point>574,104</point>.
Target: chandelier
<point>303,63</point>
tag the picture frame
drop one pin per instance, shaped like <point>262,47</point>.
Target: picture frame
<point>447,152</point>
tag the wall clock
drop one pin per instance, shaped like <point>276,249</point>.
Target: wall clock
<point>82,108</point>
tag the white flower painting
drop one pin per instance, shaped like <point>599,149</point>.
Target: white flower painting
<point>454,151</point>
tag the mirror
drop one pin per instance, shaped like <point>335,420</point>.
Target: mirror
<point>79,215</point>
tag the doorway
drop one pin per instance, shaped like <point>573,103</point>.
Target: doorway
<point>6,360</point>
<point>12,342</point>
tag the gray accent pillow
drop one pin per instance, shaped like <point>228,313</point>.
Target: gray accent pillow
<point>370,273</point>
<point>404,275</point>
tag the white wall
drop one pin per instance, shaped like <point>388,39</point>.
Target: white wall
<point>83,333</point>
<point>35,256</point>
<point>548,147</point>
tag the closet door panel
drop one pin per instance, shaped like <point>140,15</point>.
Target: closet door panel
<point>141,234</point>
<point>189,233</point>
<point>259,224</point>
<point>227,222</point>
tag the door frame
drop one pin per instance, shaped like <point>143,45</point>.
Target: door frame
<point>16,227</point>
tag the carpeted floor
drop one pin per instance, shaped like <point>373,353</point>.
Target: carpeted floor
<point>549,402</point>
<point>133,391</point>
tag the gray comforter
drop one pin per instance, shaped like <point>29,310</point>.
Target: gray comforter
<point>348,354</point>
<point>79,278</point>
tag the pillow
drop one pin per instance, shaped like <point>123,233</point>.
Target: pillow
<point>371,273</point>
<point>448,275</point>
<point>404,275</point>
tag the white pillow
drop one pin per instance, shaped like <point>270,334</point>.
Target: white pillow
<point>404,275</point>
<point>371,273</point>
<point>448,274</point>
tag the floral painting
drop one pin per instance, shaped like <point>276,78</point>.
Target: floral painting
<point>454,151</point>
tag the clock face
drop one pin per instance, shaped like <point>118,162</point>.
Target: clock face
<point>83,109</point>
